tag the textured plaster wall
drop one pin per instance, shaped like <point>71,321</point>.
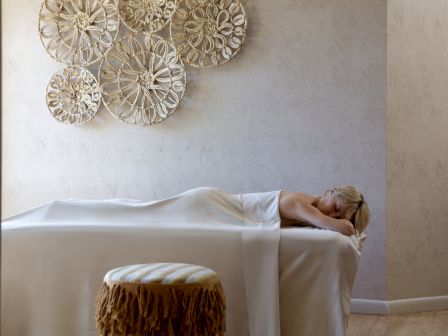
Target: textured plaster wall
<point>417,148</point>
<point>302,107</point>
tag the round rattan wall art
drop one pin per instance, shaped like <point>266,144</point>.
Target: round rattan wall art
<point>146,16</point>
<point>208,33</point>
<point>73,95</point>
<point>142,79</point>
<point>78,31</point>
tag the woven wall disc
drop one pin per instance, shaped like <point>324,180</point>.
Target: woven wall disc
<point>73,95</point>
<point>146,16</point>
<point>142,79</point>
<point>208,32</point>
<point>78,32</point>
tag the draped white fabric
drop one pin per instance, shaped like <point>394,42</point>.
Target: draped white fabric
<point>317,269</point>
<point>54,258</point>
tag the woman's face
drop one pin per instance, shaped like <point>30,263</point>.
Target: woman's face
<point>330,207</point>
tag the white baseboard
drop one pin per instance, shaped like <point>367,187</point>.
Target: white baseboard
<point>360,306</point>
<point>415,305</point>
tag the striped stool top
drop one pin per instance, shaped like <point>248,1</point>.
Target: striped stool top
<point>160,273</point>
<point>169,299</point>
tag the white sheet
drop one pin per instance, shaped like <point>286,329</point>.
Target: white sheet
<point>317,269</point>
<point>54,258</point>
<point>64,248</point>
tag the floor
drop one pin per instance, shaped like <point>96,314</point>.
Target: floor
<point>416,324</point>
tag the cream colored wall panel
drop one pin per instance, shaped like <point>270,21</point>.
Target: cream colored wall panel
<point>417,149</point>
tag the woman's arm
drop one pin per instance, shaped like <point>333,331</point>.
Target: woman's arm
<point>297,207</point>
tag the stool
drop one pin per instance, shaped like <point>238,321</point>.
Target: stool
<point>161,299</point>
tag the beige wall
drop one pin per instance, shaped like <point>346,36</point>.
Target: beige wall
<point>302,107</point>
<point>417,217</point>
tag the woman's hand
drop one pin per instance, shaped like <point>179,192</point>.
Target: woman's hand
<point>343,226</point>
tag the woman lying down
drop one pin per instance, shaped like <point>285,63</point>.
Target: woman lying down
<point>341,209</point>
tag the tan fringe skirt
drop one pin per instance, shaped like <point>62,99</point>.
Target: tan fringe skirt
<point>154,309</point>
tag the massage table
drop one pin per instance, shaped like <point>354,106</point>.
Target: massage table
<point>288,282</point>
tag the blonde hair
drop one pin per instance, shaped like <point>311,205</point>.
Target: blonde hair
<point>356,208</point>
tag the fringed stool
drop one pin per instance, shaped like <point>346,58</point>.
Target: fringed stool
<point>161,299</point>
